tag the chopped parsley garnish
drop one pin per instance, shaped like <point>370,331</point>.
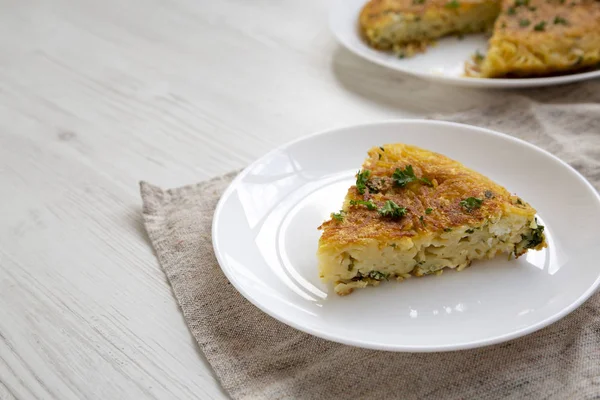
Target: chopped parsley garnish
<point>532,8</point>
<point>452,4</point>
<point>351,264</point>
<point>422,220</point>
<point>418,1</point>
<point>471,203</point>
<point>478,56</point>
<point>519,3</point>
<point>519,201</point>
<point>380,156</point>
<point>361,180</point>
<point>378,276</point>
<point>560,20</point>
<point>426,181</point>
<point>392,210</point>
<point>339,217</point>
<point>402,178</point>
<point>470,231</point>
<point>401,55</point>
<point>382,149</point>
<point>368,203</point>
<point>428,210</point>
<point>488,194</point>
<point>540,27</point>
<point>503,25</point>
<point>537,237</point>
<point>511,11</point>
<point>524,22</point>
<point>447,229</point>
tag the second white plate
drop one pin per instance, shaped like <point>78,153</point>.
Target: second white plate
<point>265,237</point>
<point>443,63</point>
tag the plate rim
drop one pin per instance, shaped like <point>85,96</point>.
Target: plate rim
<point>387,347</point>
<point>497,83</point>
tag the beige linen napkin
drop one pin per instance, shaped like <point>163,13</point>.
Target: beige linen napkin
<point>255,356</point>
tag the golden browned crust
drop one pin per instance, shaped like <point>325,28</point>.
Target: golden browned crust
<point>409,25</point>
<point>530,37</point>
<point>451,183</point>
<point>377,13</point>
<point>544,37</point>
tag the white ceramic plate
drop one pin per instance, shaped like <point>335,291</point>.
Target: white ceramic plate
<point>442,63</point>
<point>265,238</point>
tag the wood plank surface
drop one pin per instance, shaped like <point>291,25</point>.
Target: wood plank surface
<point>98,95</point>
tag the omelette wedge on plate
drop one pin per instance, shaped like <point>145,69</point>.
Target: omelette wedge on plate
<point>413,212</point>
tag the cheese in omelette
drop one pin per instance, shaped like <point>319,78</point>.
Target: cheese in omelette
<point>413,212</point>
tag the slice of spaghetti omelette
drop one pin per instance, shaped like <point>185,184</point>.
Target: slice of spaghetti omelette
<point>415,212</point>
<point>540,38</point>
<point>407,26</point>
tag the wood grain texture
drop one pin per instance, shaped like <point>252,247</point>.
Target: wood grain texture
<point>95,96</point>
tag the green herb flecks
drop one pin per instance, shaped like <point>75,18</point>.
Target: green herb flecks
<point>471,203</point>
<point>560,21</point>
<point>536,237</point>
<point>422,220</point>
<point>511,11</point>
<point>478,56</point>
<point>519,3</point>
<point>540,27</point>
<point>361,180</point>
<point>428,210</point>
<point>524,22</point>
<point>367,203</point>
<point>403,178</point>
<point>351,264</point>
<point>339,217</point>
<point>470,231</point>
<point>447,229</point>
<point>378,276</point>
<point>452,4</point>
<point>392,210</point>
<point>415,2</point>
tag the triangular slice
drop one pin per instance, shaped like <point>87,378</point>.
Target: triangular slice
<point>541,37</point>
<point>415,212</point>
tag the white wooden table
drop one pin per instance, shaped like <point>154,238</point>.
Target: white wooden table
<point>97,95</point>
